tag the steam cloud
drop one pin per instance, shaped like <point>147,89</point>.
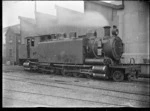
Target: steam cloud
<point>89,19</point>
<point>70,21</point>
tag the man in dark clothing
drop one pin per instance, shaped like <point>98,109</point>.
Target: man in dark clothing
<point>115,31</point>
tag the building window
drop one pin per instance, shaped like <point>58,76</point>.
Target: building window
<point>19,41</point>
<point>32,42</point>
<point>45,38</point>
<point>10,39</point>
<point>10,52</point>
<point>65,35</point>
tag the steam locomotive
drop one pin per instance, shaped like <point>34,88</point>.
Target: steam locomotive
<point>88,56</point>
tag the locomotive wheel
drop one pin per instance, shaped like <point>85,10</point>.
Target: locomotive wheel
<point>130,77</point>
<point>57,72</point>
<point>118,76</point>
<point>64,73</point>
<point>88,76</point>
<point>78,75</point>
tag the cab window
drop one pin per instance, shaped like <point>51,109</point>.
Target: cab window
<point>32,42</point>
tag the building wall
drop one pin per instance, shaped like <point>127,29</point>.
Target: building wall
<point>107,12</point>
<point>134,30</point>
<point>4,53</point>
<point>22,51</point>
<point>11,44</point>
<point>4,50</point>
<point>17,47</point>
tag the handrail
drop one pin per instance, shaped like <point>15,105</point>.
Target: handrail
<point>132,59</point>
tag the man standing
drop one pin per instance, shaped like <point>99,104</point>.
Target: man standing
<point>115,31</point>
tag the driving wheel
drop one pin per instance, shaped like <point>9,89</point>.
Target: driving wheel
<point>118,76</point>
<point>131,77</point>
<point>88,76</point>
<point>75,74</point>
<point>64,73</point>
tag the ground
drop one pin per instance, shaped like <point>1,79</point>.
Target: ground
<point>28,89</point>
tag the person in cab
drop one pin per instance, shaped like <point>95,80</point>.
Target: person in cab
<point>115,31</point>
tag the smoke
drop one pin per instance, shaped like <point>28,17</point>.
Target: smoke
<point>88,19</point>
<point>71,21</point>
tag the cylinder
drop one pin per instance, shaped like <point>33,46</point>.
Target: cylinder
<point>99,75</point>
<point>27,68</point>
<point>95,61</point>
<point>100,69</point>
<point>26,64</point>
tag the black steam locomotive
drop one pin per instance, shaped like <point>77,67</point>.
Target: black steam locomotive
<point>88,56</point>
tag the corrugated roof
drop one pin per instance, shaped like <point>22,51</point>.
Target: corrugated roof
<point>39,14</point>
<point>45,20</point>
<point>48,24</point>
<point>29,20</point>
<point>14,28</point>
<point>112,4</point>
<point>5,29</point>
<point>64,13</point>
<point>70,12</point>
<point>60,27</point>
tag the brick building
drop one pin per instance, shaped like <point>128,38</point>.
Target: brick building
<point>4,53</point>
<point>13,40</point>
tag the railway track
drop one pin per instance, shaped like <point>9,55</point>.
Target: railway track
<point>55,86</point>
<point>25,102</point>
<point>93,87</point>
<point>109,93</point>
<point>68,98</point>
<point>124,82</point>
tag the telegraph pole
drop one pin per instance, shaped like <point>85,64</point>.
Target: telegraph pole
<point>35,10</point>
<point>35,6</point>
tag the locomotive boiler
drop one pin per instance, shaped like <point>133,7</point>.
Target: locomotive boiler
<point>90,56</point>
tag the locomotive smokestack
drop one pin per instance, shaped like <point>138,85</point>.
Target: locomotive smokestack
<point>106,31</point>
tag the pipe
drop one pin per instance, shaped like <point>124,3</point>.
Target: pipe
<point>100,69</point>
<point>95,61</point>
<point>26,64</point>
<point>28,69</point>
<point>99,75</point>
